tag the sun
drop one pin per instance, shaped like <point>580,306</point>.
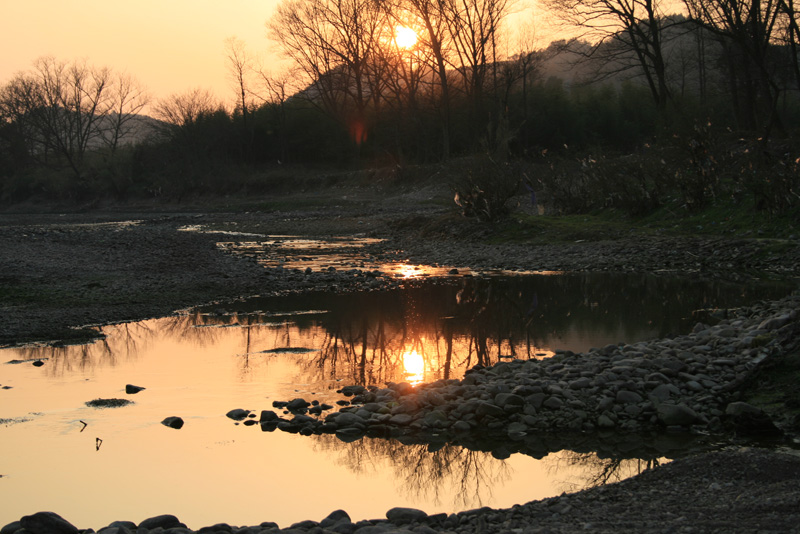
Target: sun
<point>414,366</point>
<point>405,37</point>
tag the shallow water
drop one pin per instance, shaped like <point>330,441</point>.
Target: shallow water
<point>97,465</point>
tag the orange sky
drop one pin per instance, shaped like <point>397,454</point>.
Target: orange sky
<point>170,46</point>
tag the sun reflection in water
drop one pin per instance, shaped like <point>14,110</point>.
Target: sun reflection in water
<point>414,366</point>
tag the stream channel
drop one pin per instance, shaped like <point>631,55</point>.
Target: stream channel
<point>97,465</point>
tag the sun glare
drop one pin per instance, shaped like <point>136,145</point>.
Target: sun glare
<point>414,366</point>
<point>405,37</point>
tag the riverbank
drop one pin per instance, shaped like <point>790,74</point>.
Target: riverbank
<point>61,272</point>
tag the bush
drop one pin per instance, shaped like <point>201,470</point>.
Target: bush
<point>483,188</point>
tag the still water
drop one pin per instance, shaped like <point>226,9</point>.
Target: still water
<point>94,466</point>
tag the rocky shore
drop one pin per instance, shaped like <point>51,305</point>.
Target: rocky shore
<point>629,393</point>
<point>59,273</point>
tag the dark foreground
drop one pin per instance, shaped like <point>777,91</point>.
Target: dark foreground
<point>58,273</point>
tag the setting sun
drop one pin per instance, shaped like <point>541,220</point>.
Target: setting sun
<point>414,366</point>
<point>405,37</point>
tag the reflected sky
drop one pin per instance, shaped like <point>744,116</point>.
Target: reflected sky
<point>94,466</point>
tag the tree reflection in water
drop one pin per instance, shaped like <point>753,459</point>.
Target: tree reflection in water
<point>424,472</point>
<point>370,337</point>
<point>596,471</point>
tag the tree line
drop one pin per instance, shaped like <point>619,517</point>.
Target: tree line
<point>639,71</point>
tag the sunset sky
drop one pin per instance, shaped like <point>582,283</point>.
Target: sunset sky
<point>169,46</point>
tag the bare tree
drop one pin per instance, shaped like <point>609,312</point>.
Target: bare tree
<point>128,98</point>
<point>626,34</point>
<point>64,110</point>
<point>747,30</point>
<point>182,114</point>
<point>332,42</point>
<point>239,68</point>
<point>186,108</point>
<point>429,16</point>
<point>275,91</point>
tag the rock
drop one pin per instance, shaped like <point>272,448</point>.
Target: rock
<point>581,383</point>
<point>401,419</point>
<point>108,403</point>
<point>402,516</point>
<point>488,409</point>
<point>508,399</point>
<point>605,421</point>
<point>214,529</point>
<point>130,389</point>
<point>237,414</point>
<point>173,422</point>
<point>676,414</point>
<point>348,419</point>
<point>554,403</point>
<point>774,323</point>
<point>628,397</point>
<point>337,516</point>
<point>130,525</point>
<point>750,420</point>
<point>164,521</point>
<point>349,391</point>
<point>11,527</point>
<point>664,392</point>
<point>268,416</point>
<point>297,405</point>
<point>305,525</point>
<point>47,523</point>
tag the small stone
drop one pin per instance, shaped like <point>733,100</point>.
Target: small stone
<point>130,389</point>
<point>238,414</point>
<point>173,422</point>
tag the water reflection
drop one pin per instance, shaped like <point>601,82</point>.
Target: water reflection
<point>596,471</point>
<point>430,331</point>
<point>201,364</point>
<point>425,473</point>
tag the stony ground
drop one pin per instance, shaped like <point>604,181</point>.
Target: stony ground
<point>59,272</point>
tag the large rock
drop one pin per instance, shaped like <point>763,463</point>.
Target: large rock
<point>676,415</point>
<point>750,420</point>
<point>297,405</point>
<point>401,516</point>
<point>47,523</point>
<point>337,516</point>
<point>164,521</point>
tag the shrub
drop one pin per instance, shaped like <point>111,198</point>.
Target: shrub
<point>483,188</point>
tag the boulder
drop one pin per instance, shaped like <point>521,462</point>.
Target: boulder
<point>297,405</point>
<point>164,521</point>
<point>402,516</point>
<point>676,414</point>
<point>335,517</point>
<point>47,523</point>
